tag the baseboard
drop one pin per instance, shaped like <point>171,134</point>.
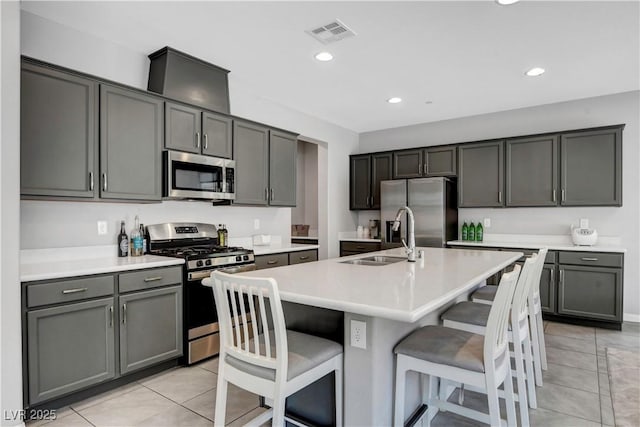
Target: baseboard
<point>628,317</point>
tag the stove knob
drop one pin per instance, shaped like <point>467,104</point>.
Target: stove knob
<point>238,258</point>
<point>245,257</point>
<point>207,262</point>
<point>199,263</point>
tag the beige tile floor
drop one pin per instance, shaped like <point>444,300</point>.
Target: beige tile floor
<point>575,393</point>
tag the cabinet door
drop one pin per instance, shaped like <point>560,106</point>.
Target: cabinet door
<point>283,157</point>
<point>532,171</point>
<point>57,133</point>
<point>407,164</point>
<point>441,161</point>
<point>548,288</point>
<point>70,347</point>
<point>130,145</point>
<point>271,260</point>
<point>359,182</point>
<point>182,128</point>
<point>591,168</point>
<point>380,171</point>
<point>217,132</point>
<point>590,292</point>
<point>251,153</point>
<point>481,175</point>
<point>150,327</point>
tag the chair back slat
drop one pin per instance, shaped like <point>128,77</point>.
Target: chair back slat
<point>254,319</point>
<point>244,290</point>
<point>231,291</point>
<point>495,339</point>
<point>533,297</point>
<point>265,325</point>
<point>519,304</point>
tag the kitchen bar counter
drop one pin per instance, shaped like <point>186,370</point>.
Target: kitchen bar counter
<point>56,263</point>
<point>392,301</point>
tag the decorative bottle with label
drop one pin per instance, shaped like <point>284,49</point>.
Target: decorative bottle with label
<point>465,231</point>
<point>144,239</point>
<point>472,232</point>
<point>479,232</point>
<point>222,235</point>
<point>123,241</point>
<point>136,239</point>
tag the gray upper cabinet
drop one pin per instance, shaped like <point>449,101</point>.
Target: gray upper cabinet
<point>58,133</point>
<point>591,168</point>
<point>283,151</point>
<point>71,347</point>
<point>251,153</point>
<point>532,171</point>
<point>195,131</point>
<point>481,174</point>
<point>365,173</point>
<point>407,164</point>
<point>441,161</point>
<point>380,171</point>
<point>130,144</point>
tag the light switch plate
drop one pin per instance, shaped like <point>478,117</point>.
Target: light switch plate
<point>256,224</point>
<point>584,222</point>
<point>102,228</point>
<point>487,223</point>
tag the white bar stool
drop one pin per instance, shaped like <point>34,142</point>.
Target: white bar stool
<point>273,364</point>
<point>463,357</point>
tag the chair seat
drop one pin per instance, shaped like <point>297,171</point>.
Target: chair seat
<point>305,352</point>
<point>445,346</point>
<point>486,293</point>
<point>468,312</point>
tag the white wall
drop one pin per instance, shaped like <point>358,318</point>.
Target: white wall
<point>621,222</point>
<point>58,44</point>
<point>10,338</point>
<point>306,211</point>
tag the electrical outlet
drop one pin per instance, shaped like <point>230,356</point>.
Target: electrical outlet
<point>584,222</point>
<point>359,334</point>
<point>487,223</point>
<point>256,224</point>
<point>102,228</point>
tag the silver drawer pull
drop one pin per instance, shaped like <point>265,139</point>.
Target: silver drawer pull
<point>303,257</point>
<point>124,313</point>
<point>111,316</point>
<point>90,181</point>
<point>74,291</point>
<point>360,247</point>
<point>153,279</point>
<point>272,262</point>
<point>589,259</point>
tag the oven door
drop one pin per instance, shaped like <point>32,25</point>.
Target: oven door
<point>192,176</point>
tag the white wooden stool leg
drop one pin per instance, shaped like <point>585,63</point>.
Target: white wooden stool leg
<point>541,344</point>
<point>511,404</point>
<point>528,360</point>
<point>278,410</point>
<point>398,399</point>
<point>493,400</point>
<point>338,378</point>
<point>520,378</point>
<point>221,402</point>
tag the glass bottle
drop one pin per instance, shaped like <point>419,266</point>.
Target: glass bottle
<point>479,232</point>
<point>471,234</point>
<point>144,239</point>
<point>222,235</point>
<point>465,231</point>
<point>123,241</point>
<point>136,239</point>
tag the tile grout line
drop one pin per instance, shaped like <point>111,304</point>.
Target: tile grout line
<point>177,403</point>
<point>82,416</point>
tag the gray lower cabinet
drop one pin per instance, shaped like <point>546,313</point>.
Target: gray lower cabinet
<point>195,131</point>
<point>532,171</point>
<point>591,168</point>
<point>283,152</point>
<point>481,174</point>
<point>130,144</point>
<point>70,347</point>
<point>548,288</point>
<point>271,260</point>
<point>150,327</point>
<point>58,133</point>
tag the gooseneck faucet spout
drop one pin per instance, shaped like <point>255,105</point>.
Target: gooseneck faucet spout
<point>411,247</point>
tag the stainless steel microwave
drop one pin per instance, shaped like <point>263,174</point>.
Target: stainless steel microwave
<point>193,176</point>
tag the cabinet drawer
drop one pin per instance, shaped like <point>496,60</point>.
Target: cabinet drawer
<point>303,256</point>
<point>148,279</point>
<point>359,247</point>
<point>599,259</point>
<point>272,260</point>
<point>69,290</point>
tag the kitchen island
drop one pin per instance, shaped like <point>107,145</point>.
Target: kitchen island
<point>392,300</point>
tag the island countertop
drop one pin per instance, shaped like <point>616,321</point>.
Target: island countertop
<point>400,291</point>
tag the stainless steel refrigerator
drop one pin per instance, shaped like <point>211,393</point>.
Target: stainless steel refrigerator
<point>434,205</point>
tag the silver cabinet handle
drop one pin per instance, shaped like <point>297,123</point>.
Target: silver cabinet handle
<point>272,262</point>
<point>419,168</point>
<point>152,279</point>
<point>104,181</point>
<point>266,194</point>
<point>271,198</point>
<point>91,181</point>
<point>371,201</point>
<point>124,313</point>
<point>552,280</point>
<point>563,195</point>
<point>554,195</point>
<point>588,259</point>
<point>206,141</point>
<point>111,316</point>
<point>360,247</point>
<point>499,196</point>
<point>425,168</point>
<point>74,291</point>
<point>197,139</point>
<point>561,277</point>
<point>303,258</point>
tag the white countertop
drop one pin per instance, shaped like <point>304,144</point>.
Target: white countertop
<point>401,291</point>
<point>552,242</point>
<point>275,248</point>
<point>56,263</point>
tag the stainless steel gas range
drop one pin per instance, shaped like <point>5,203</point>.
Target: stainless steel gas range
<point>197,244</point>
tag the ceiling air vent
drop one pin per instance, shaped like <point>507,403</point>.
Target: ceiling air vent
<point>331,32</point>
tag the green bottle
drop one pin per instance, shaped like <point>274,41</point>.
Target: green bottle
<point>472,232</point>
<point>479,232</point>
<point>465,231</point>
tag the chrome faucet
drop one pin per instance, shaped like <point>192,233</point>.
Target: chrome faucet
<point>411,248</point>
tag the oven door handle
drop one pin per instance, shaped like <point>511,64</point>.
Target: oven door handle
<point>199,275</point>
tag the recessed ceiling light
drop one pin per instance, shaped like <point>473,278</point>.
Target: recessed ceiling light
<point>535,71</point>
<point>324,56</point>
<point>506,2</point>
<point>394,100</point>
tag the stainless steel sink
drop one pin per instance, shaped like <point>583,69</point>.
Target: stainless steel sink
<point>375,260</point>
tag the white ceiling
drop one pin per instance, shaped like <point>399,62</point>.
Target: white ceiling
<point>467,58</point>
